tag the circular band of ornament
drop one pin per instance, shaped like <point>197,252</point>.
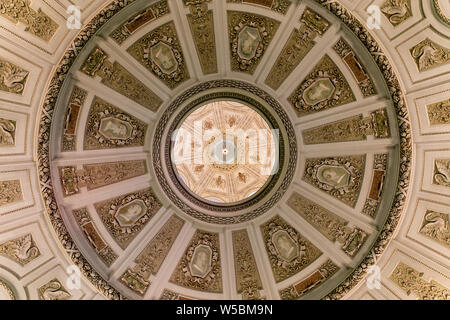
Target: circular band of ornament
<point>56,84</point>
<point>279,182</point>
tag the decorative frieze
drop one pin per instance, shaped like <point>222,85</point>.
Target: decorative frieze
<point>125,216</point>
<point>315,279</point>
<point>439,113</point>
<point>333,227</point>
<point>435,225</point>
<point>289,252</point>
<point>200,266</point>
<point>12,77</point>
<point>248,281</point>
<point>411,282</point>
<point>376,187</point>
<point>10,192</point>
<point>149,14</point>
<point>397,11</point>
<point>280,6</point>
<point>110,127</point>
<point>161,53</point>
<point>36,22</point>
<point>442,172</point>
<point>355,66</point>
<point>98,175</point>
<point>76,101</point>
<point>249,36</point>
<point>299,44</point>
<point>53,290</point>
<point>119,79</point>
<point>201,21</point>
<point>84,220</point>
<point>340,177</point>
<point>171,295</point>
<point>324,88</point>
<point>151,258</point>
<point>22,250</point>
<point>427,54</point>
<point>355,128</point>
<point>7,132</point>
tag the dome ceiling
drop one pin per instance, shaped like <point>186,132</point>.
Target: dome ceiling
<point>154,191</point>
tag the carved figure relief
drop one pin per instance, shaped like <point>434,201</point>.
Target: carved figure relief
<point>76,101</point>
<point>12,77</point>
<point>22,250</point>
<point>325,87</point>
<point>53,290</point>
<point>126,216</point>
<point>439,113</point>
<point>200,266</point>
<point>397,11</point>
<point>329,224</point>
<point>280,6</point>
<point>160,52</point>
<point>340,177</point>
<point>84,220</point>
<point>36,22</point>
<point>428,54</point>
<point>442,173</point>
<point>10,192</point>
<point>411,282</point>
<point>297,47</point>
<point>7,132</point>
<point>314,280</point>
<point>250,35</point>
<point>151,258</point>
<point>435,226</point>
<point>110,127</point>
<point>149,14</point>
<point>289,252</point>
<point>120,79</point>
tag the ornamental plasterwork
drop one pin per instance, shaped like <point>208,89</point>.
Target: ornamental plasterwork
<point>201,21</point>
<point>12,77</point>
<point>333,227</point>
<point>358,71</point>
<point>116,77</point>
<point>231,176</point>
<point>340,177</point>
<point>325,87</point>
<point>355,128</point>
<point>297,47</point>
<point>439,113</point>
<point>440,12</point>
<point>171,295</point>
<point>110,127</point>
<point>125,216</point>
<point>397,11</point>
<point>151,258</point>
<point>442,173</point>
<point>410,281</point>
<point>36,22</point>
<point>10,192</point>
<point>76,101</point>
<point>6,290</point>
<point>161,53</point>
<point>280,6</point>
<point>98,175</point>
<point>200,266</point>
<point>22,250</point>
<point>435,225</point>
<point>249,36</point>
<point>248,281</point>
<point>84,220</point>
<point>289,252</point>
<point>428,54</point>
<point>53,290</point>
<point>314,280</point>
<point>376,187</point>
<point>7,132</point>
<point>149,14</point>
